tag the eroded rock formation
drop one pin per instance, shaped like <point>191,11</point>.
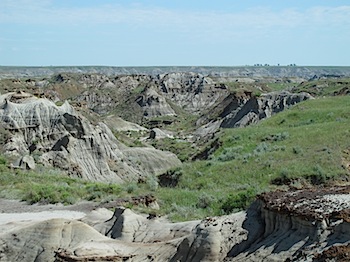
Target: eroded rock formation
<point>240,110</point>
<point>58,136</point>
<point>257,108</point>
<point>303,225</point>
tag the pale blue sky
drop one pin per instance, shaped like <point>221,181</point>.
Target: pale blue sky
<point>174,32</point>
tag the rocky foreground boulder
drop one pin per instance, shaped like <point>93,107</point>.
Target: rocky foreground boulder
<point>302,225</point>
<point>60,137</point>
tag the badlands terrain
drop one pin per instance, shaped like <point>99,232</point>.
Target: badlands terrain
<point>174,164</point>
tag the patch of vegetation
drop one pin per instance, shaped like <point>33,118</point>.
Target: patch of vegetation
<point>183,149</point>
<point>54,187</point>
<point>138,90</point>
<point>325,87</point>
<point>279,86</point>
<point>130,138</point>
<point>240,87</point>
<point>239,201</point>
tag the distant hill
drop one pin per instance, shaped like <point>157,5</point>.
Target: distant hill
<point>306,72</point>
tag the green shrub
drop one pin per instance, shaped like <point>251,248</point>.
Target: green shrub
<point>261,148</point>
<point>276,137</point>
<point>240,201</point>
<point>132,187</point>
<point>230,153</point>
<point>43,193</point>
<point>319,175</point>
<point>181,213</point>
<point>3,161</point>
<point>170,178</point>
<point>297,150</point>
<point>205,200</point>
<point>152,183</point>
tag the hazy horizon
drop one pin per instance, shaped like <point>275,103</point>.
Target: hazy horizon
<point>177,33</point>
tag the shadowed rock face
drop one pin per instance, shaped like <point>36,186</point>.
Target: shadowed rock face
<point>58,136</point>
<point>241,110</point>
<point>257,108</point>
<point>275,228</point>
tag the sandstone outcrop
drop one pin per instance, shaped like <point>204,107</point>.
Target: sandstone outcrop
<point>60,137</point>
<point>302,225</point>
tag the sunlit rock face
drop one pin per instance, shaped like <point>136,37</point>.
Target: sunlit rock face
<point>58,136</point>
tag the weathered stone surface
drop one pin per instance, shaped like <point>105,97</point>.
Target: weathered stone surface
<point>118,124</point>
<point>157,133</point>
<point>241,110</point>
<point>151,94</point>
<point>25,162</point>
<point>282,226</point>
<point>62,138</point>
<point>154,99</point>
<point>257,108</point>
<point>190,91</point>
<point>154,104</point>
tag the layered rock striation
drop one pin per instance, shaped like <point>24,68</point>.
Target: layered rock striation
<point>243,109</point>
<point>60,137</point>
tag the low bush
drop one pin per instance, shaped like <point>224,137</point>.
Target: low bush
<point>239,201</point>
<point>230,154</point>
<point>2,161</point>
<point>205,200</point>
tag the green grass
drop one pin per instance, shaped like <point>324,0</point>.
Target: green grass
<point>54,187</point>
<point>279,86</point>
<point>304,144</point>
<point>324,87</point>
<point>183,149</point>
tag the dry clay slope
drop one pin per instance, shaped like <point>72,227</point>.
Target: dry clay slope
<point>58,136</point>
<point>304,225</point>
